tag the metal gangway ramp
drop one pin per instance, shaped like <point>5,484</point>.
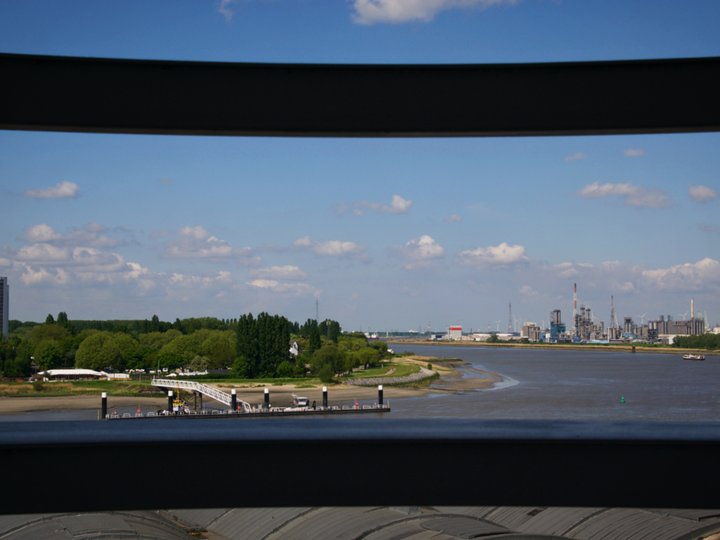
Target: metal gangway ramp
<point>205,389</point>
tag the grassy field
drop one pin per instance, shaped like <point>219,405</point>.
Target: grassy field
<point>390,369</point>
<point>78,388</point>
<point>401,367</point>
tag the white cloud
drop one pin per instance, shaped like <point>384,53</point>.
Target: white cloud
<point>204,281</point>
<point>632,195</point>
<point>624,286</point>
<point>198,232</point>
<point>223,7</point>
<point>91,234</point>
<point>41,233</point>
<point>96,259</point>
<point>527,290</point>
<point>701,275</point>
<point>59,259</point>
<point>336,247</point>
<point>577,156</point>
<point>31,276</point>
<point>420,251</point>
<point>330,248</point>
<point>305,241</point>
<point>500,255</point>
<point>702,193</point>
<point>398,205</point>
<point>279,272</point>
<point>597,190</point>
<point>400,11</point>
<point>196,243</point>
<point>454,218</point>
<point>42,252</point>
<point>276,286</point>
<point>634,152</point>
<point>118,271</point>
<point>62,190</point>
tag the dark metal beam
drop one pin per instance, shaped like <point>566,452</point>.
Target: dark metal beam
<point>143,464</point>
<point>205,98</point>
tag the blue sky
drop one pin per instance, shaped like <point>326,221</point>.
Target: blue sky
<point>387,234</point>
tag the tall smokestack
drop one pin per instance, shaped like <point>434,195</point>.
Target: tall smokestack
<point>574,304</point>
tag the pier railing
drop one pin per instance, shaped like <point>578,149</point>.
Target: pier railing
<point>507,463</point>
<point>205,389</point>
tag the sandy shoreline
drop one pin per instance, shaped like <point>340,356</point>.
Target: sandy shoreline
<point>450,381</point>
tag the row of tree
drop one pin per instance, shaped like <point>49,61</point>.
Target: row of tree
<point>262,346</point>
<point>703,341</point>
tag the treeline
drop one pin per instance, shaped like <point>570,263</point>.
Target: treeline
<point>252,347</point>
<point>704,341</point>
<point>131,326</point>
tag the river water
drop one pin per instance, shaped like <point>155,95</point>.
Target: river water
<point>542,384</point>
<point>574,385</point>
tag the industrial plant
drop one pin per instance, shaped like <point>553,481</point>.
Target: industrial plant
<point>585,327</point>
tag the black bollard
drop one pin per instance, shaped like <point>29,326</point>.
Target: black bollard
<point>103,405</point>
<point>325,397</point>
<point>170,402</point>
<point>233,399</point>
<point>380,395</point>
<point>266,403</point>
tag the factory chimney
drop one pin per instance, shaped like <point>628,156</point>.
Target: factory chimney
<point>574,306</point>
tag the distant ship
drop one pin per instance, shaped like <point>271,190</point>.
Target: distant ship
<point>691,356</point>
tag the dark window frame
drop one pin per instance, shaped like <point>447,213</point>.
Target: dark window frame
<point>115,465</point>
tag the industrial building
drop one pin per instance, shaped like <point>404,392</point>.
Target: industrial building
<point>557,327</point>
<point>531,331</point>
<point>454,332</point>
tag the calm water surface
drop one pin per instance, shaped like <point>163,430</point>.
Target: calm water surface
<point>575,385</point>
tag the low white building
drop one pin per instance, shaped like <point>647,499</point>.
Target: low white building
<point>454,332</point>
<point>72,374</point>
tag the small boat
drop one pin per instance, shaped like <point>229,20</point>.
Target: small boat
<point>691,356</point>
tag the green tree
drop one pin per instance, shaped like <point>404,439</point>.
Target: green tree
<point>49,354</point>
<point>330,329</point>
<point>199,363</point>
<point>284,369</point>
<point>41,332</point>
<point>62,319</point>
<point>129,355</point>
<point>329,355</point>
<point>49,319</point>
<point>311,331</point>
<point>98,351</point>
<point>18,367</point>
<point>180,351</point>
<point>239,367</point>
<point>326,374</point>
<point>219,348</point>
<point>366,357</point>
<point>704,341</point>
<point>247,345</point>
